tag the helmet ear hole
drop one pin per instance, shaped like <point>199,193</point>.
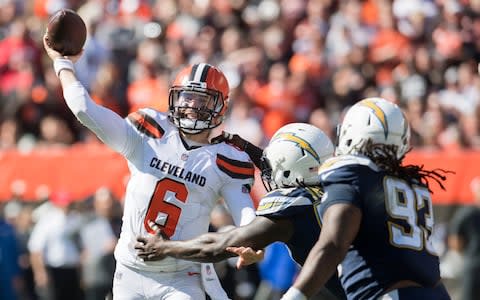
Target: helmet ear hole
<point>286,174</point>
<point>349,142</point>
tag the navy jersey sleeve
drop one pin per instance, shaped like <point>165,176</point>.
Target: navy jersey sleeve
<point>340,185</point>
<point>285,203</point>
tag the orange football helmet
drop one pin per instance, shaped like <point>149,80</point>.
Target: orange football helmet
<point>198,98</point>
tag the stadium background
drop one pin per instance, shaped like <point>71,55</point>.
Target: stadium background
<point>286,60</point>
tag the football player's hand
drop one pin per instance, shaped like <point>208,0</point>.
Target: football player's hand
<point>53,54</point>
<point>231,139</point>
<point>150,248</point>
<point>255,153</point>
<point>246,255</point>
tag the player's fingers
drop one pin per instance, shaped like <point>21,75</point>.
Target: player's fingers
<point>239,263</point>
<point>260,255</point>
<point>151,257</point>
<point>228,136</point>
<point>157,229</point>
<point>154,226</point>
<point>218,139</point>
<point>141,240</point>
<point>236,250</point>
<point>242,262</point>
<point>51,53</point>
<point>46,44</point>
<point>247,250</point>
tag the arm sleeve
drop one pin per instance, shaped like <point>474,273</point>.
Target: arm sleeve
<point>38,238</point>
<point>109,127</point>
<point>239,203</point>
<point>339,193</point>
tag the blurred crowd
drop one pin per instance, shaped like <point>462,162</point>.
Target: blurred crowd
<point>61,248</point>
<point>286,61</point>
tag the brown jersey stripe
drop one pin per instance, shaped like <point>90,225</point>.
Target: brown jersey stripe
<point>146,124</point>
<point>140,124</point>
<point>158,129</point>
<point>235,168</point>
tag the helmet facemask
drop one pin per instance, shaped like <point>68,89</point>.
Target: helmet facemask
<point>268,183</point>
<point>198,98</point>
<point>195,109</point>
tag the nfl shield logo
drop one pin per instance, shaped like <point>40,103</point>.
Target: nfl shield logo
<point>209,271</point>
<point>184,157</point>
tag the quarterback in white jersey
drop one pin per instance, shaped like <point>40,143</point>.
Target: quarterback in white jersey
<point>176,175</point>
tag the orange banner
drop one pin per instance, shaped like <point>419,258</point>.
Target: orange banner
<point>82,169</point>
<point>458,186</point>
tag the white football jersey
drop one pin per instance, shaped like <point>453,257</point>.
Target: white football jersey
<point>173,185</point>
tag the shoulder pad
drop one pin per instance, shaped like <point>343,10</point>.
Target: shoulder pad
<point>346,160</point>
<point>344,166</point>
<point>147,121</point>
<point>234,163</point>
<point>283,199</point>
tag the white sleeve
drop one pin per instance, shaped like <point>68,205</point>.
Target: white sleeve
<point>38,238</point>
<point>112,129</point>
<point>239,203</point>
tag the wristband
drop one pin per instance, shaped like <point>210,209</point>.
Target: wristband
<point>294,294</point>
<point>61,63</point>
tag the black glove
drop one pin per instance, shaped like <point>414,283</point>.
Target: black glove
<point>255,153</point>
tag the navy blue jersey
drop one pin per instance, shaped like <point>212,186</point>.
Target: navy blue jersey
<point>296,204</point>
<point>393,242</point>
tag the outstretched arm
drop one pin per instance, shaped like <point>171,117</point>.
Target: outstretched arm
<point>212,247</point>
<point>105,123</point>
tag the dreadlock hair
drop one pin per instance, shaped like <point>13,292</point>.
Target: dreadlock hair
<point>384,156</point>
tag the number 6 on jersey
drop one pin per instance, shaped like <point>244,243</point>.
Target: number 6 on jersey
<point>161,209</point>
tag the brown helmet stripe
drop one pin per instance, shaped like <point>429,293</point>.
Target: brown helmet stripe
<point>192,72</point>
<point>203,77</point>
<point>199,72</point>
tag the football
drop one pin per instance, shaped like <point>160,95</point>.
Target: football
<point>66,32</point>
